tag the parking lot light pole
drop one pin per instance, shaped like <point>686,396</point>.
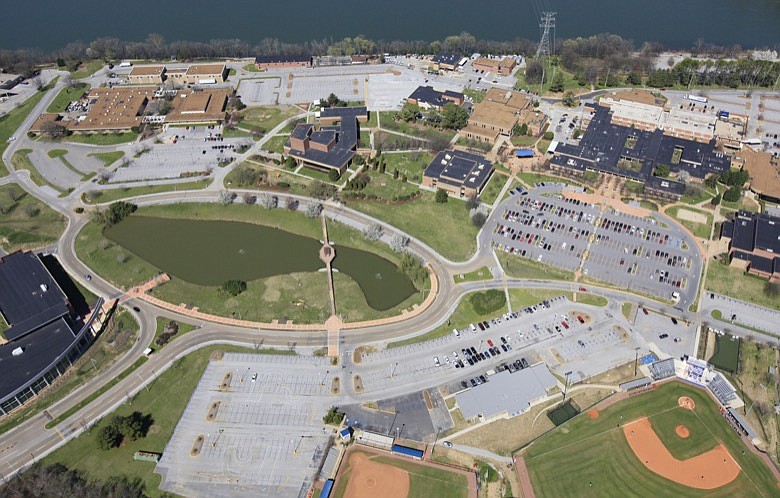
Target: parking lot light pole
<point>566,386</point>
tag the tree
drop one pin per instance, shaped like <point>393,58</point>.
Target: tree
<point>53,129</point>
<point>334,175</point>
<point>115,213</point>
<point>557,84</point>
<point>454,117</point>
<point>313,209</point>
<point>373,232</point>
<point>569,100</point>
<point>232,287</point>
<point>472,201</point>
<point>409,112</point>
<point>268,201</point>
<point>478,219</point>
<point>333,417</point>
<point>433,117</point>
<point>413,267</point>
<point>716,200</point>
<point>441,196</point>
<point>248,198</point>
<point>733,194</point>
<point>321,190</point>
<point>109,437</point>
<point>772,289</point>
<point>398,242</point>
<point>534,72</point>
<point>226,197</point>
<point>634,78</point>
<point>58,480</point>
<point>548,135</point>
<point>576,134</point>
<point>662,170</point>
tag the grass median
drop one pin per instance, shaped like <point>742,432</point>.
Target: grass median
<point>11,122</point>
<point>114,194</point>
<point>26,222</point>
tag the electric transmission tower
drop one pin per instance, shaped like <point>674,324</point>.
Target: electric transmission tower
<point>546,46</point>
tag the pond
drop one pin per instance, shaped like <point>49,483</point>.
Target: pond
<point>210,252</point>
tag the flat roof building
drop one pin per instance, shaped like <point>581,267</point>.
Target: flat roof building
<point>44,335</point>
<point>498,113</point>
<point>633,153</point>
<point>764,171</point>
<point>507,394</point>
<point>680,123</point>
<point>198,106</point>
<point>461,174</point>
<point>333,145</point>
<point>198,74</point>
<point>428,98</point>
<point>445,61</point>
<point>754,243</point>
<point>282,62</point>
<point>503,65</point>
<point>147,75</point>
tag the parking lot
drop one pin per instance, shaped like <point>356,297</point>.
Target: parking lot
<point>253,427</point>
<point>743,313</point>
<point>639,254</point>
<point>675,339</point>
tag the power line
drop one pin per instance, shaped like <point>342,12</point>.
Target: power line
<point>547,25</point>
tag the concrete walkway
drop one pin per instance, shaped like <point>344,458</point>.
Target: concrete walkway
<point>482,453</point>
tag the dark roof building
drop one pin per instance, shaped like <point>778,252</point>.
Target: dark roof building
<point>755,243</point>
<point>427,98</point>
<point>282,61</point>
<point>445,60</point>
<point>633,153</point>
<point>461,174</point>
<point>332,146</point>
<point>44,336</point>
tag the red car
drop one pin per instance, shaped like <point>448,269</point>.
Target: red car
<point>583,289</point>
<point>645,311</point>
<point>581,320</point>
<point>490,343</point>
<point>565,325</point>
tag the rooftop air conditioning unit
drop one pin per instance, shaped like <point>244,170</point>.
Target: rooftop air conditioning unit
<point>44,287</point>
<point>18,351</point>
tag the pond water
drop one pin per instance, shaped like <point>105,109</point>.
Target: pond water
<point>210,252</point>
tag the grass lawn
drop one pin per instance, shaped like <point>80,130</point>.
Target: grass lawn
<point>522,298</point>
<point>365,139</point>
<point>519,267</point>
<point>66,96</point>
<point>523,141</point>
<point>490,193</point>
<point>21,160</point>
<point>110,195</point>
<point>463,315</point>
<point>568,81</point>
<point>384,186</point>
<point>373,120</point>
<point>699,230</point>
<point>26,222</point>
<point>275,143</point>
<point>61,153</point>
<point>625,309</point>
<point>251,68</point>
<point>735,283</point>
<point>108,158</point>
<point>297,184</point>
<point>10,122</point>
<point>266,118</point>
<point>543,145</point>
<point>164,401</point>
<point>87,69</point>
<point>235,133</point>
<point>445,227</point>
<point>162,321</point>
<point>475,95</point>
<point>416,130</point>
<point>700,195</point>
<point>481,274</point>
<point>412,163</point>
<point>102,138</point>
<point>594,451</point>
<point>531,178</point>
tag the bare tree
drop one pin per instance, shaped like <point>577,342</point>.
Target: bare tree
<point>399,242</point>
<point>313,209</point>
<point>373,232</point>
<point>249,199</point>
<point>226,197</point>
<point>268,201</point>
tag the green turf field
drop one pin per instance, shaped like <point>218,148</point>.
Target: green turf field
<point>424,482</point>
<point>726,355</point>
<point>584,450</point>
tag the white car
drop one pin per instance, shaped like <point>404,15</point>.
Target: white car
<point>11,139</point>
<point>254,377</point>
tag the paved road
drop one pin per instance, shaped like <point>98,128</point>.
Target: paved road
<point>744,313</point>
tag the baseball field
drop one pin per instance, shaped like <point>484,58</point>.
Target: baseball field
<point>367,474</point>
<point>649,445</point>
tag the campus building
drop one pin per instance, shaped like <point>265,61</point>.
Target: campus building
<point>282,62</point>
<point>754,243</point>
<point>499,112</point>
<point>428,98</point>
<point>195,74</point>
<point>146,75</point>
<point>764,171</point>
<point>444,61</point>
<point>635,154</point>
<point>44,334</point>
<point>503,66</point>
<point>8,81</point>
<point>333,145</point>
<point>461,174</point>
<point>680,123</point>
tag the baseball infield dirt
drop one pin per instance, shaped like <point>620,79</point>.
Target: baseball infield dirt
<point>682,431</point>
<point>370,479</point>
<point>686,402</point>
<point>710,470</point>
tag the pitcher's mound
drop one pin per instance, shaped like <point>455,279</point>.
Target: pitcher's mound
<point>682,431</point>
<point>593,413</point>
<point>686,402</point>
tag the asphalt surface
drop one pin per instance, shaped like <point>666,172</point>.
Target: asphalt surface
<point>31,441</point>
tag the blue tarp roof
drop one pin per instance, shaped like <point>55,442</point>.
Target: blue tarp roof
<point>326,489</point>
<point>524,153</point>
<point>403,450</point>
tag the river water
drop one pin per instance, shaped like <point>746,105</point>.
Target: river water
<point>50,24</point>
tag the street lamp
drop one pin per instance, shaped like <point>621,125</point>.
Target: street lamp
<point>566,386</point>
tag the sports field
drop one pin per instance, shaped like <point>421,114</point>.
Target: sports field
<point>371,475</point>
<point>591,456</point>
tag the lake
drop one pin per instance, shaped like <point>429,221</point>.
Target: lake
<point>50,24</point>
<point>210,252</point>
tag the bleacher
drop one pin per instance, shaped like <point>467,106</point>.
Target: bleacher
<point>662,369</point>
<point>722,390</point>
